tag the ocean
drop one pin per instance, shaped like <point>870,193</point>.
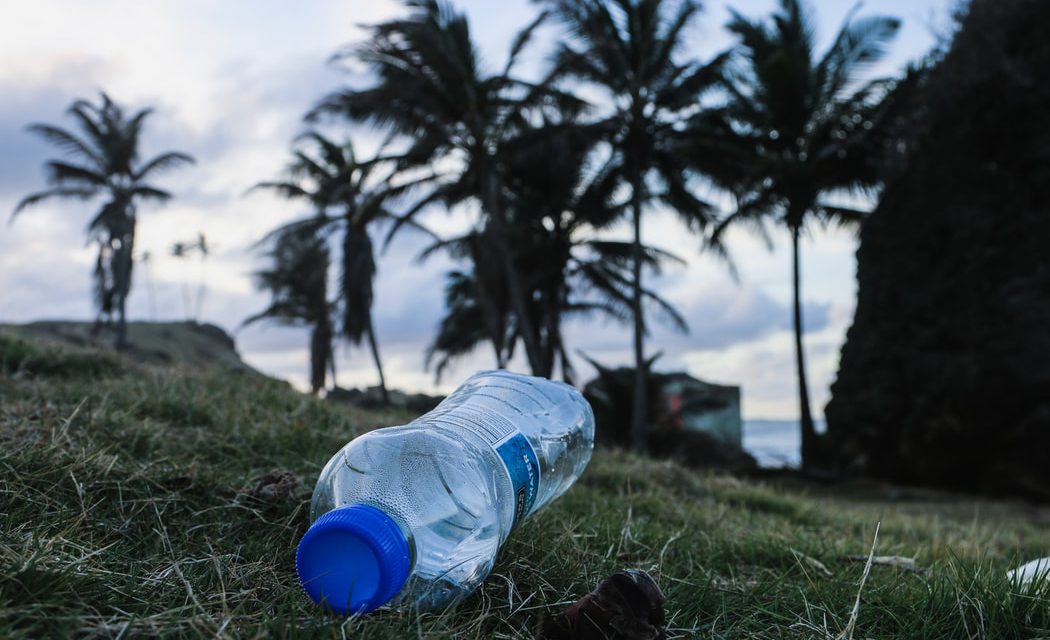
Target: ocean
<point>775,443</point>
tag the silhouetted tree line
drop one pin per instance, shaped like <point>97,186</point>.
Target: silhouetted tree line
<point>623,121</point>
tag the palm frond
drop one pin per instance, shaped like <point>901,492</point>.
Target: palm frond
<point>840,216</point>
<point>163,162</point>
<point>69,143</point>
<point>691,82</point>
<point>304,226</point>
<point>355,283</point>
<point>521,40</point>
<point>667,311</point>
<point>149,192</point>
<point>79,193</point>
<point>85,114</point>
<point>445,193</point>
<point>858,45</point>
<point>288,190</point>
<point>62,173</point>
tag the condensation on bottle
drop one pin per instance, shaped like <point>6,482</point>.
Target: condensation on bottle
<point>413,516</point>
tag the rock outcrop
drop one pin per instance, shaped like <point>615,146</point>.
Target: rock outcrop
<point>945,374</point>
<point>191,344</point>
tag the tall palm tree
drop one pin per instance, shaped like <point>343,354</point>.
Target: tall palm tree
<point>105,162</point>
<point>796,129</point>
<point>347,200</point>
<point>630,50</point>
<point>297,280</point>
<point>432,90</point>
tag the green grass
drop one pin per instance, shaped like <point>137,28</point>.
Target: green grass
<point>127,509</point>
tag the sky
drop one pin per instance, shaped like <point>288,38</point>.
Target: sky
<point>229,83</point>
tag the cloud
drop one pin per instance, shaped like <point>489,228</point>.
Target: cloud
<point>720,315</point>
<point>30,292</point>
<point>766,371</point>
<point>30,98</point>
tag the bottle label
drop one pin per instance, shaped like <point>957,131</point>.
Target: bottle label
<point>524,471</point>
<point>513,448</point>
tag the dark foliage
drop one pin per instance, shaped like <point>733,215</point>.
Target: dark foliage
<point>945,375</point>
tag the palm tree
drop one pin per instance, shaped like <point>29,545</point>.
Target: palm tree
<point>477,308</point>
<point>796,129</point>
<point>467,324</point>
<point>297,281</point>
<point>594,279</point>
<point>347,200</point>
<point>629,49</point>
<point>556,204</point>
<point>182,250</point>
<point>432,91</point>
<point>105,163</point>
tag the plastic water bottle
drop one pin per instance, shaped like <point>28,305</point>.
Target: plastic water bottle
<point>412,516</point>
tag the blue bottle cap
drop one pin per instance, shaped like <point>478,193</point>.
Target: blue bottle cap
<point>353,559</point>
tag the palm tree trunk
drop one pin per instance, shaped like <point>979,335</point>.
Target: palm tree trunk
<point>331,366</point>
<point>495,321</point>
<point>809,434</point>
<point>639,428</point>
<point>320,346</point>
<point>558,342</point>
<point>375,356</point>
<point>122,281</point>
<point>553,332</point>
<point>103,296</point>
<point>122,322</point>
<point>514,286</point>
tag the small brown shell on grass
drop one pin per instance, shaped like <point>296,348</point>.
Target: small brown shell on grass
<point>626,606</point>
<point>277,486</point>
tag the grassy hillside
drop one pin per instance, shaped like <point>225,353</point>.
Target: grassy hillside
<point>159,343</point>
<point>131,505</point>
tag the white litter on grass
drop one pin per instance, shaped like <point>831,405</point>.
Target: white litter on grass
<point>1034,570</point>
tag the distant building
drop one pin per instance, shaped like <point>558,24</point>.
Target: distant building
<point>690,404</point>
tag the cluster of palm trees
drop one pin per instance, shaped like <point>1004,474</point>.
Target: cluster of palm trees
<point>784,131</point>
<point>623,121</point>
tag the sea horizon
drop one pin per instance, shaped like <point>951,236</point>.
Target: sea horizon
<point>775,443</point>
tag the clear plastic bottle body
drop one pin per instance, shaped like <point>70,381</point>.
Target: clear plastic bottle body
<point>451,491</point>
